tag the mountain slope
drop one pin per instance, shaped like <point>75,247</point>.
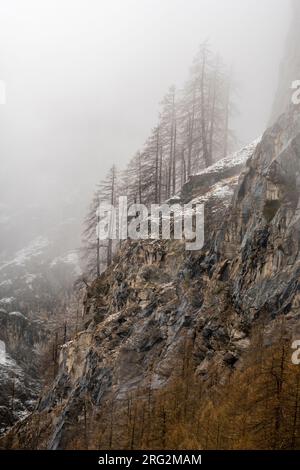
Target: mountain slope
<point>156,297</point>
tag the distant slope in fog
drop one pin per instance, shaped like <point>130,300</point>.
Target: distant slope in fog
<point>290,66</point>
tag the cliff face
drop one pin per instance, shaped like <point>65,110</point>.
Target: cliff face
<point>264,225</point>
<point>156,296</point>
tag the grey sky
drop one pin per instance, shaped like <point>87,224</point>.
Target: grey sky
<point>84,79</point>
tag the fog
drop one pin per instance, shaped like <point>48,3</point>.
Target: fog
<point>84,80</point>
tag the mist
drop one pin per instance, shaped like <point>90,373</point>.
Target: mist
<point>169,318</point>
<point>84,81</point>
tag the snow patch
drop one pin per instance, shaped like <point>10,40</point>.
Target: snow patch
<point>7,300</point>
<point>6,283</point>
<point>236,159</point>
<point>17,314</point>
<point>222,190</point>
<point>2,353</point>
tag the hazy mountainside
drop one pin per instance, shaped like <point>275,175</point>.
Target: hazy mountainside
<point>290,66</point>
<point>20,384</point>
<point>33,278</point>
<point>156,296</point>
<point>36,283</point>
<point>39,258</point>
<point>177,349</point>
<point>129,334</point>
<point>36,280</point>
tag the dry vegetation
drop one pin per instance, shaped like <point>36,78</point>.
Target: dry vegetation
<point>258,406</point>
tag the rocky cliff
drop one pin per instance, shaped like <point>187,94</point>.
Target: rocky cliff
<point>156,295</point>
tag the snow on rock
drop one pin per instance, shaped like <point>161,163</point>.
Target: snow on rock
<point>17,314</point>
<point>6,283</point>
<point>222,190</point>
<point>214,187</point>
<point>219,179</point>
<point>7,300</point>
<point>2,352</point>
<point>236,159</point>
